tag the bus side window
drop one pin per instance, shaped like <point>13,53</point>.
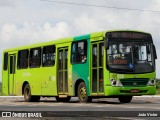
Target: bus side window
<point>35,57</point>
<point>5,62</point>
<point>48,56</point>
<point>22,59</point>
<point>79,52</point>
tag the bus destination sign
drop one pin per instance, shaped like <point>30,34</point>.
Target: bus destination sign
<point>131,35</point>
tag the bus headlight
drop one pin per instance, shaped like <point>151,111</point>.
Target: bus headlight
<point>115,82</point>
<point>151,82</point>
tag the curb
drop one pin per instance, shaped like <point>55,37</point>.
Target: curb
<point>152,96</point>
<point>11,96</point>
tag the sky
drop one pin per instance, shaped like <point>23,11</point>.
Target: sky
<point>25,22</point>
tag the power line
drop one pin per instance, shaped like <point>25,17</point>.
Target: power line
<point>100,6</point>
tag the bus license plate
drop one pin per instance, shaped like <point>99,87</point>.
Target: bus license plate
<point>134,91</point>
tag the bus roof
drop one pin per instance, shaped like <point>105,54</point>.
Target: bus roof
<point>69,39</point>
<point>58,41</point>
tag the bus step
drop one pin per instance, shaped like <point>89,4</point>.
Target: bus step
<point>62,96</point>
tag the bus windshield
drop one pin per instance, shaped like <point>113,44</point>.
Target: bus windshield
<point>130,56</point>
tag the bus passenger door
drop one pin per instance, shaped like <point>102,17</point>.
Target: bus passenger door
<point>12,70</point>
<point>97,82</point>
<point>62,80</point>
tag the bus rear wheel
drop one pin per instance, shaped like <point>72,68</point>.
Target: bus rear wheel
<point>82,93</point>
<point>125,99</point>
<point>27,95</point>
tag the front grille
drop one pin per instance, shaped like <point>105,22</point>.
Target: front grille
<point>134,82</point>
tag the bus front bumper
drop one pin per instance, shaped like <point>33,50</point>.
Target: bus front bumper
<point>134,91</point>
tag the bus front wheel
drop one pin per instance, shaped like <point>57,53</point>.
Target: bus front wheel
<point>82,93</point>
<point>125,99</point>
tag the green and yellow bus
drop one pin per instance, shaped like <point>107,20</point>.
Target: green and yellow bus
<point>112,64</point>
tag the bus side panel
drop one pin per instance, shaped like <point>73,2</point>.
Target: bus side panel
<point>48,78</point>
<point>32,76</point>
<point>81,71</point>
<point>5,82</point>
<point>35,80</point>
<point>22,75</point>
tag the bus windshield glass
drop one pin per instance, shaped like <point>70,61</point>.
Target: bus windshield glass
<point>130,56</point>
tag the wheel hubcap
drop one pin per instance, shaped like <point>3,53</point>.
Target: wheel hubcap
<point>27,93</point>
<point>83,93</point>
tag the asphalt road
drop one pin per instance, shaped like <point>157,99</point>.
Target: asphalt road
<point>99,108</point>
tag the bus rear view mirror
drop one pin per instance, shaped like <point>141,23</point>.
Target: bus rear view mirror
<point>148,50</point>
<point>106,45</point>
<point>154,51</point>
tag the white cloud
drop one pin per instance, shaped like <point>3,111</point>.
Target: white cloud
<point>60,30</point>
<point>85,23</point>
<point>12,36</point>
<point>7,3</point>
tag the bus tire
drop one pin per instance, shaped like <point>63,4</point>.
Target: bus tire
<point>67,99</point>
<point>27,94</point>
<point>125,99</point>
<point>82,93</point>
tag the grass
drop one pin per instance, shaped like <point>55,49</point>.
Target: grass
<point>158,92</point>
<point>158,87</point>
